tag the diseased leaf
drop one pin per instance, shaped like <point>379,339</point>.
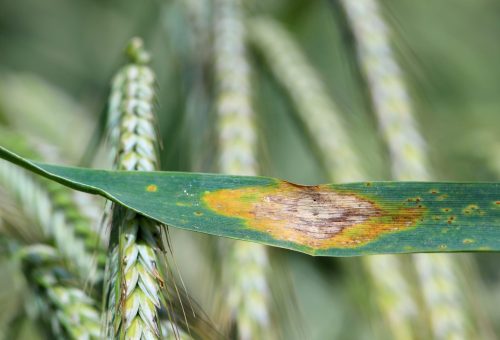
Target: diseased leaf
<point>327,220</point>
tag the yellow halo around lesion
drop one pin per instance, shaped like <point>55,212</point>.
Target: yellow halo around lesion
<point>318,217</point>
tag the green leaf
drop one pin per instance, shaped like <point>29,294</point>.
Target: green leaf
<point>328,220</point>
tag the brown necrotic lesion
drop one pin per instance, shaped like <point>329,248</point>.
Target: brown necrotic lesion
<point>313,216</point>
<point>313,212</point>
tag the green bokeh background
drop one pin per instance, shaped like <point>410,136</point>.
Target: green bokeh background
<point>57,58</point>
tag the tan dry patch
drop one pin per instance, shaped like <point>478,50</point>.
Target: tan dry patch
<point>313,216</point>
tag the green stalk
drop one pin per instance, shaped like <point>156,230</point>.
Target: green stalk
<point>391,101</point>
<point>134,296</point>
<point>392,107</point>
<point>197,61</point>
<point>325,126</point>
<point>245,265</point>
<point>316,110</point>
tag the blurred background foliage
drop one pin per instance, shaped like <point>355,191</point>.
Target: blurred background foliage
<point>58,58</point>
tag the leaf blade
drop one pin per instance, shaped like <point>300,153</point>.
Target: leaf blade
<point>327,220</point>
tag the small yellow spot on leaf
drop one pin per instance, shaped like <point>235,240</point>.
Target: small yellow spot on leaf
<point>442,197</point>
<point>468,241</point>
<point>470,209</point>
<point>151,188</point>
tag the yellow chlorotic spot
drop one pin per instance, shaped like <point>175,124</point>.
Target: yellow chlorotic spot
<point>315,216</point>
<point>443,246</point>
<point>468,241</point>
<point>470,209</point>
<point>151,188</point>
<point>198,213</point>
